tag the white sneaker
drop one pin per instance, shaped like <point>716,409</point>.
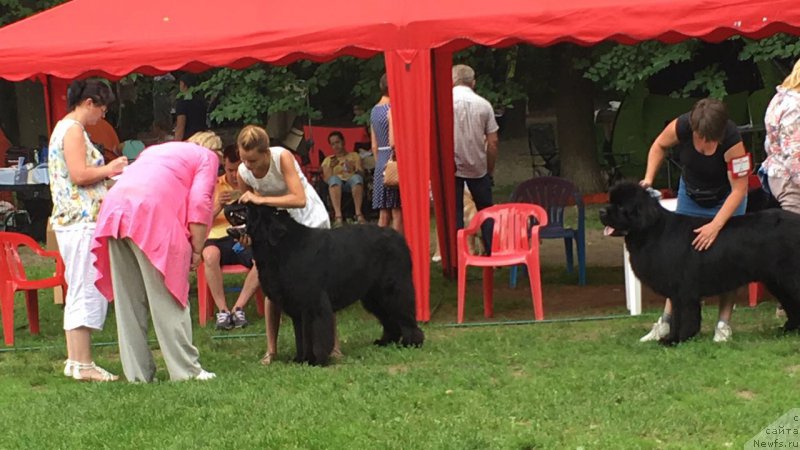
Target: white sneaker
<point>722,332</point>
<point>205,376</point>
<point>660,331</point>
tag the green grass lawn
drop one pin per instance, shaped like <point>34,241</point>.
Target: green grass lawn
<point>582,384</point>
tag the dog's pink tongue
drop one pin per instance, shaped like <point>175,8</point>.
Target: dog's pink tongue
<point>608,231</point>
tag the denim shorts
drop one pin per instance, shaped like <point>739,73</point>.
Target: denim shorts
<point>689,207</point>
<point>348,185</point>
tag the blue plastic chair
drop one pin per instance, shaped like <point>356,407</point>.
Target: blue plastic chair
<point>132,148</point>
<point>554,194</point>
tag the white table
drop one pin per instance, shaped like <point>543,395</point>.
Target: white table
<point>633,287</point>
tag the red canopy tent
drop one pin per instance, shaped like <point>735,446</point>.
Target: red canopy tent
<point>417,37</point>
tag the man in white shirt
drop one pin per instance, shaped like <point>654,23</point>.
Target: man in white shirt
<point>475,146</point>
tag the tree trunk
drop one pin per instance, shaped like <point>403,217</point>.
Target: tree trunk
<point>31,113</point>
<point>514,121</point>
<point>8,111</point>
<point>574,105</point>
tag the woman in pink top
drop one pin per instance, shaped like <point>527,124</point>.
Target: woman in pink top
<point>150,233</point>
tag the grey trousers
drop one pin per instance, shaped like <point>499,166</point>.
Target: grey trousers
<point>139,286</point>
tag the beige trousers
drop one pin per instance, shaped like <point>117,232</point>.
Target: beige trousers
<point>786,192</point>
<point>139,287</point>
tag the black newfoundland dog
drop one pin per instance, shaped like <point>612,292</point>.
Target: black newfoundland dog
<point>312,273</point>
<point>762,246</point>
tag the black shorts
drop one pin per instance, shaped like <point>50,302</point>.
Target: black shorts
<point>228,256</point>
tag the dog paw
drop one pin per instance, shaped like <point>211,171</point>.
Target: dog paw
<point>381,342</point>
<point>791,327</point>
<point>413,339</point>
<point>669,341</point>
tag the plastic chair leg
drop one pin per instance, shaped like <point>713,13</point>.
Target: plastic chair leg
<point>535,277</point>
<point>202,296</point>
<point>512,277</point>
<point>462,291</point>
<point>516,271</point>
<point>7,311</point>
<point>488,288</point>
<point>32,307</point>
<point>568,253</point>
<point>580,242</point>
<point>755,290</point>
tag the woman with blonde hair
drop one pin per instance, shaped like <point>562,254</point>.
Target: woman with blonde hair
<point>782,145</point>
<point>150,234</point>
<point>77,175</point>
<point>209,140</point>
<point>782,142</point>
<point>271,176</point>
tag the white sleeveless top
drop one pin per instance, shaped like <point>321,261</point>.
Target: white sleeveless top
<point>273,184</point>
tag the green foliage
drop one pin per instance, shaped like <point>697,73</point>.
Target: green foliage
<point>366,90</point>
<point>250,95</point>
<point>619,68</point>
<point>616,67</point>
<point>14,10</point>
<point>496,75</point>
<point>779,46</point>
<point>709,81</point>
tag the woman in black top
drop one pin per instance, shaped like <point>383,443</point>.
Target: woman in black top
<point>707,141</point>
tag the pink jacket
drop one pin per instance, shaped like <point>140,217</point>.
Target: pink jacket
<point>166,188</point>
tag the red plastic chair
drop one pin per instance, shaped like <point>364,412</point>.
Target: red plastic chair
<point>13,279</point>
<point>514,241</point>
<point>205,302</point>
<point>755,291</point>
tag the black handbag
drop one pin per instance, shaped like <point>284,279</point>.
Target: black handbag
<point>708,197</point>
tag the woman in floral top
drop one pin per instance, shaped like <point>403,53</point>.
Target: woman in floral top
<point>782,144</point>
<point>77,175</point>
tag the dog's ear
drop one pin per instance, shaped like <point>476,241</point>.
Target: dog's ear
<point>277,228</point>
<point>257,223</point>
<point>644,210</point>
<point>266,224</point>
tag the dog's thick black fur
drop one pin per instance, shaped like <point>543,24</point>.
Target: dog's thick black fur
<point>311,273</point>
<point>762,246</point>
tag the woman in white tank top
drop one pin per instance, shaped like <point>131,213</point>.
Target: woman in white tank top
<point>271,176</point>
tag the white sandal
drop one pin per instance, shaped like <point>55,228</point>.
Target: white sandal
<point>268,358</point>
<point>68,364</point>
<point>104,374</point>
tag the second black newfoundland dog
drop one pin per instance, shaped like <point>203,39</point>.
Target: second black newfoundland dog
<point>763,246</point>
<point>311,273</point>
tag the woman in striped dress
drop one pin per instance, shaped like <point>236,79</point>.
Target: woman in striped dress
<point>385,199</point>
